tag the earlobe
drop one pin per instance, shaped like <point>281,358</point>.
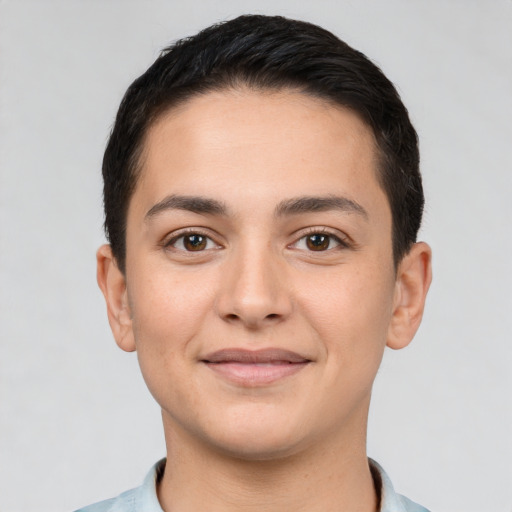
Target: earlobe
<point>413,279</point>
<point>112,283</point>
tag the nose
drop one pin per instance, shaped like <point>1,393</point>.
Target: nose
<point>254,293</point>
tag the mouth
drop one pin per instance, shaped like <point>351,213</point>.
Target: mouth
<point>253,368</point>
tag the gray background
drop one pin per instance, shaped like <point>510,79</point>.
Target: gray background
<point>76,422</point>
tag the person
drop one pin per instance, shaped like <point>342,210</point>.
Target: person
<point>262,202</point>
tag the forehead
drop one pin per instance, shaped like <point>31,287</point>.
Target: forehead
<point>276,143</point>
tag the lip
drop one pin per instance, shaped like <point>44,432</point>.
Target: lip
<point>253,368</point>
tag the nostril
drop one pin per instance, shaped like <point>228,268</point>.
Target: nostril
<point>272,316</point>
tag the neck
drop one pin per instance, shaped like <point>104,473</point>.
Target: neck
<point>331,476</point>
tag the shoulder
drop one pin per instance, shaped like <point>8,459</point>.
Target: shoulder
<point>409,505</point>
<point>141,498</point>
<point>125,502</point>
<point>391,501</point>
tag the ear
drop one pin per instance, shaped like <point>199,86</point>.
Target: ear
<point>414,275</point>
<point>113,285</point>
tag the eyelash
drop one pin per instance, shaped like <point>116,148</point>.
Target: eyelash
<point>342,243</point>
<point>170,243</point>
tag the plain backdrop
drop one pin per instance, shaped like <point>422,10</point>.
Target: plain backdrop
<point>76,421</point>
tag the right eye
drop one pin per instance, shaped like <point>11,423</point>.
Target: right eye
<point>191,242</point>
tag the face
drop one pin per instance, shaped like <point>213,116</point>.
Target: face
<point>260,289</point>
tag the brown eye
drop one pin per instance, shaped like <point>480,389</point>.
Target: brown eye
<point>194,242</point>
<point>191,242</point>
<point>318,242</point>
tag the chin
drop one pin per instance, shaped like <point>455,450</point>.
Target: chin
<point>259,439</point>
<point>257,449</point>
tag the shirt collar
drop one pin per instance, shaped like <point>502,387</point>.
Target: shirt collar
<point>390,501</point>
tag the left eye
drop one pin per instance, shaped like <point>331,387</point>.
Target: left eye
<point>192,242</point>
<point>318,242</point>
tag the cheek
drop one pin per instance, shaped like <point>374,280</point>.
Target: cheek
<point>351,312</point>
<point>167,311</point>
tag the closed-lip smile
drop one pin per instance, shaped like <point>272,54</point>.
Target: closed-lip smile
<point>252,368</point>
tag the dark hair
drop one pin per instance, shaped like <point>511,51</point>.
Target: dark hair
<point>266,52</point>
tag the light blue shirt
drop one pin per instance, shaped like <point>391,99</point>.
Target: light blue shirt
<point>144,498</point>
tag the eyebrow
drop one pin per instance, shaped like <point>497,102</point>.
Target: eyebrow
<point>195,204</point>
<point>309,204</point>
<point>293,206</point>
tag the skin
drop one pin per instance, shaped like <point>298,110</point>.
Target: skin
<point>298,442</point>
